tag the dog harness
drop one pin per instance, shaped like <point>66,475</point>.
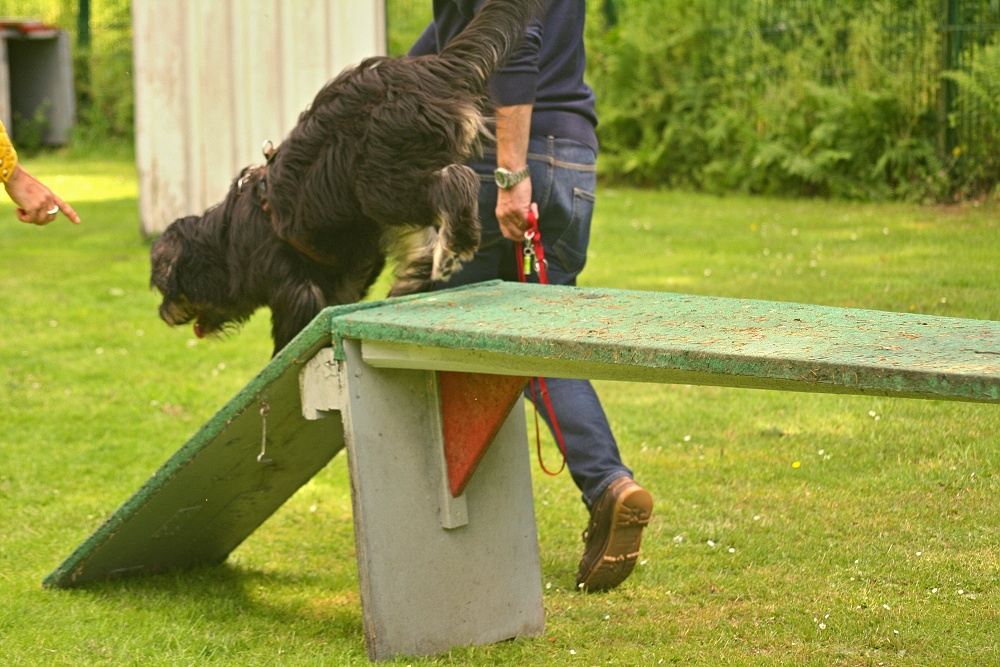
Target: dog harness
<point>260,173</point>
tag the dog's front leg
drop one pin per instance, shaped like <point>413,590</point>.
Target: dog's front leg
<point>454,195</point>
<point>293,305</point>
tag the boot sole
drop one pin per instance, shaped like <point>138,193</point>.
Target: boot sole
<point>621,551</point>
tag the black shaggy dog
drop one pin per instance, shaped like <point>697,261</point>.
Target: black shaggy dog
<point>374,167</point>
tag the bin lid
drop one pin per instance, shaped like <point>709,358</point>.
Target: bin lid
<point>31,28</point>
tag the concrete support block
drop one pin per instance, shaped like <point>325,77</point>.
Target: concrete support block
<point>426,588</point>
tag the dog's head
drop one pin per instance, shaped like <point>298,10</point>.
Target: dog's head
<point>189,268</point>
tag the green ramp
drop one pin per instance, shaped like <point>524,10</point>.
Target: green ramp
<point>214,492</point>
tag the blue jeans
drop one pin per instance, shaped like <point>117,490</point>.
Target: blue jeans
<point>563,180</point>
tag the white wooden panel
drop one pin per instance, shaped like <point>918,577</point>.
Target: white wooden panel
<point>161,111</point>
<point>259,77</point>
<point>216,78</point>
<point>350,43</point>
<point>5,114</point>
<point>306,67</point>
<point>212,78</point>
<point>193,43</point>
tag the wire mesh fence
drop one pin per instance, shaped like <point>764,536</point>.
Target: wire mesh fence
<point>969,111</point>
<point>939,60</point>
<point>920,43</point>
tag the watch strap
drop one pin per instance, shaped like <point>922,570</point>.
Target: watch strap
<point>507,179</point>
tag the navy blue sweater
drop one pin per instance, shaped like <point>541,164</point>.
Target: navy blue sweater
<point>547,71</point>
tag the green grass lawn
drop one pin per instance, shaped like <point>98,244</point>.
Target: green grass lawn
<point>790,529</point>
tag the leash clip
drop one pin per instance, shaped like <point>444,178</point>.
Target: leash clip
<point>532,250</point>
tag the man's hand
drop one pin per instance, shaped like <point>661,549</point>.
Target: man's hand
<point>36,203</point>
<point>512,210</point>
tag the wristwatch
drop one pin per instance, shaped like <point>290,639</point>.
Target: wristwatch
<point>508,179</point>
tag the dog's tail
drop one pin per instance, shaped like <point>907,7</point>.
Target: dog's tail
<point>491,37</point>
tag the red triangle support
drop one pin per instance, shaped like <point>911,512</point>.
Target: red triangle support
<point>473,408</point>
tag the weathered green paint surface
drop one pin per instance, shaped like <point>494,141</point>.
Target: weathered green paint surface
<point>693,339</point>
<point>213,492</point>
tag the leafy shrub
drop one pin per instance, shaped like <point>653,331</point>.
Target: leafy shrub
<point>407,20</point>
<point>796,98</point>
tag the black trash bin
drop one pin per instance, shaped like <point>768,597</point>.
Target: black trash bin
<point>36,78</point>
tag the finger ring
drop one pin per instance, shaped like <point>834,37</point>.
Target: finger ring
<point>55,209</point>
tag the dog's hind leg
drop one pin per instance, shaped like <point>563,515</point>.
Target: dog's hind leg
<point>454,195</point>
<point>427,255</point>
<point>414,251</point>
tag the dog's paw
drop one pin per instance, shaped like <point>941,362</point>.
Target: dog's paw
<point>449,257</point>
<point>463,249</point>
<point>445,263</point>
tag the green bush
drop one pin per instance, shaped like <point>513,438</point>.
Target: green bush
<point>407,20</point>
<point>807,98</point>
<point>28,133</point>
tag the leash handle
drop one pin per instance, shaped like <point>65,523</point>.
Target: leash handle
<point>531,254</point>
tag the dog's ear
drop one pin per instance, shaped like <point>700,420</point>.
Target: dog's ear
<point>164,256</point>
<point>293,306</point>
<point>203,274</point>
<point>188,260</point>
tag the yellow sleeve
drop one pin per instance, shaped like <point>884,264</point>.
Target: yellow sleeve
<point>8,156</point>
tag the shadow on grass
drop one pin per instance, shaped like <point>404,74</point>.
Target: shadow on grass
<point>234,600</point>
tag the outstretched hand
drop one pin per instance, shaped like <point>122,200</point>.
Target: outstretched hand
<point>36,203</point>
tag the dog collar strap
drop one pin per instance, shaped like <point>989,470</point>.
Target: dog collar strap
<point>308,252</point>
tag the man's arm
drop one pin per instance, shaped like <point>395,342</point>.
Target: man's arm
<point>512,131</point>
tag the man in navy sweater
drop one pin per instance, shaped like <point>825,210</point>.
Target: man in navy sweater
<point>545,155</point>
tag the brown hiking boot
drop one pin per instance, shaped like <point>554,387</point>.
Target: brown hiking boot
<point>611,541</point>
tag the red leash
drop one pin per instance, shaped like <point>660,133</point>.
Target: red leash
<point>531,255</point>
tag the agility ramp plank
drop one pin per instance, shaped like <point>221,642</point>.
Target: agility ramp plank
<point>214,492</point>
<point>606,334</point>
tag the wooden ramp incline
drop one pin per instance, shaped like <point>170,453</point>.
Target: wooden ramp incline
<point>214,491</point>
